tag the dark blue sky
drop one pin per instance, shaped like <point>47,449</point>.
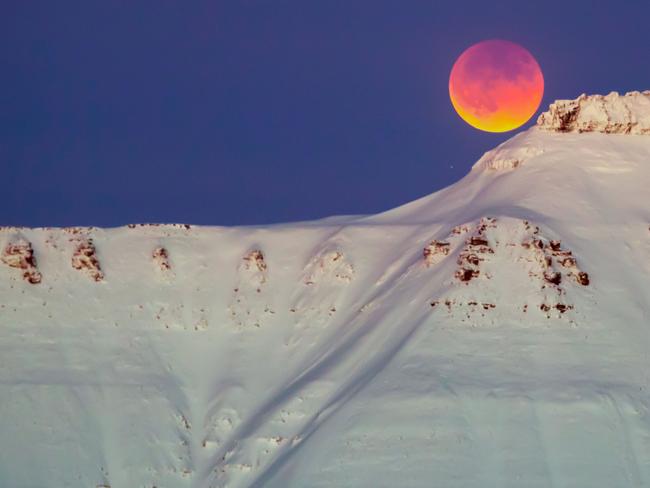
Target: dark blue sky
<point>246,112</point>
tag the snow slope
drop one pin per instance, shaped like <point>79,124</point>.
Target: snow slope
<point>495,333</point>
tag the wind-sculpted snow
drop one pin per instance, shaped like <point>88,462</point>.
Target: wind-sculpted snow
<point>511,154</point>
<point>491,334</point>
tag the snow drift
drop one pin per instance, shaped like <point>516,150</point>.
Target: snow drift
<point>495,333</point>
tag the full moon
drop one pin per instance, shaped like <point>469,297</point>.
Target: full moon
<point>496,86</point>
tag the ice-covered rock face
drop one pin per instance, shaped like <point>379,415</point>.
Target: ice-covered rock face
<point>610,114</point>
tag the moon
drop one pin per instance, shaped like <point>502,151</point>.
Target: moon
<point>496,86</point>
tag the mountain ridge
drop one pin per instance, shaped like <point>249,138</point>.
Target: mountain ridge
<point>493,333</point>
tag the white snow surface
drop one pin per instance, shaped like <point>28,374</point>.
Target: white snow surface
<point>335,353</point>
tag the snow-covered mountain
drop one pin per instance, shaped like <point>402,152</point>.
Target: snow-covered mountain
<point>495,333</point>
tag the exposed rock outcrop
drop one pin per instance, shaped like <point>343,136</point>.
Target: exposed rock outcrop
<point>160,257</point>
<point>498,252</point>
<point>474,251</point>
<point>329,266</point>
<point>154,225</point>
<point>85,259</point>
<point>19,254</point>
<point>610,114</point>
<point>250,305</point>
<point>554,261</point>
<point>254,267</point>
<point>435,251</point>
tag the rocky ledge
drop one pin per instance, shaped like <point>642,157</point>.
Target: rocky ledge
<point>609,114</point>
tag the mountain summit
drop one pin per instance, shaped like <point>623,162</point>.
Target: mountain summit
<point>610,114</point>
<point>495,333</point>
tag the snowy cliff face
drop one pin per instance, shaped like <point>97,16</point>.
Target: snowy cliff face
<point>495,333</point>
<point>611,114</point>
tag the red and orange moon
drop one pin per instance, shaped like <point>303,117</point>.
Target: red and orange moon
<point>496,86</point>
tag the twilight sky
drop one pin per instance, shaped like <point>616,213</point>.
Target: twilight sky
<point>250,112</point>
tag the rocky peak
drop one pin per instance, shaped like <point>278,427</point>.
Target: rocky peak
<point>609,114</point>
